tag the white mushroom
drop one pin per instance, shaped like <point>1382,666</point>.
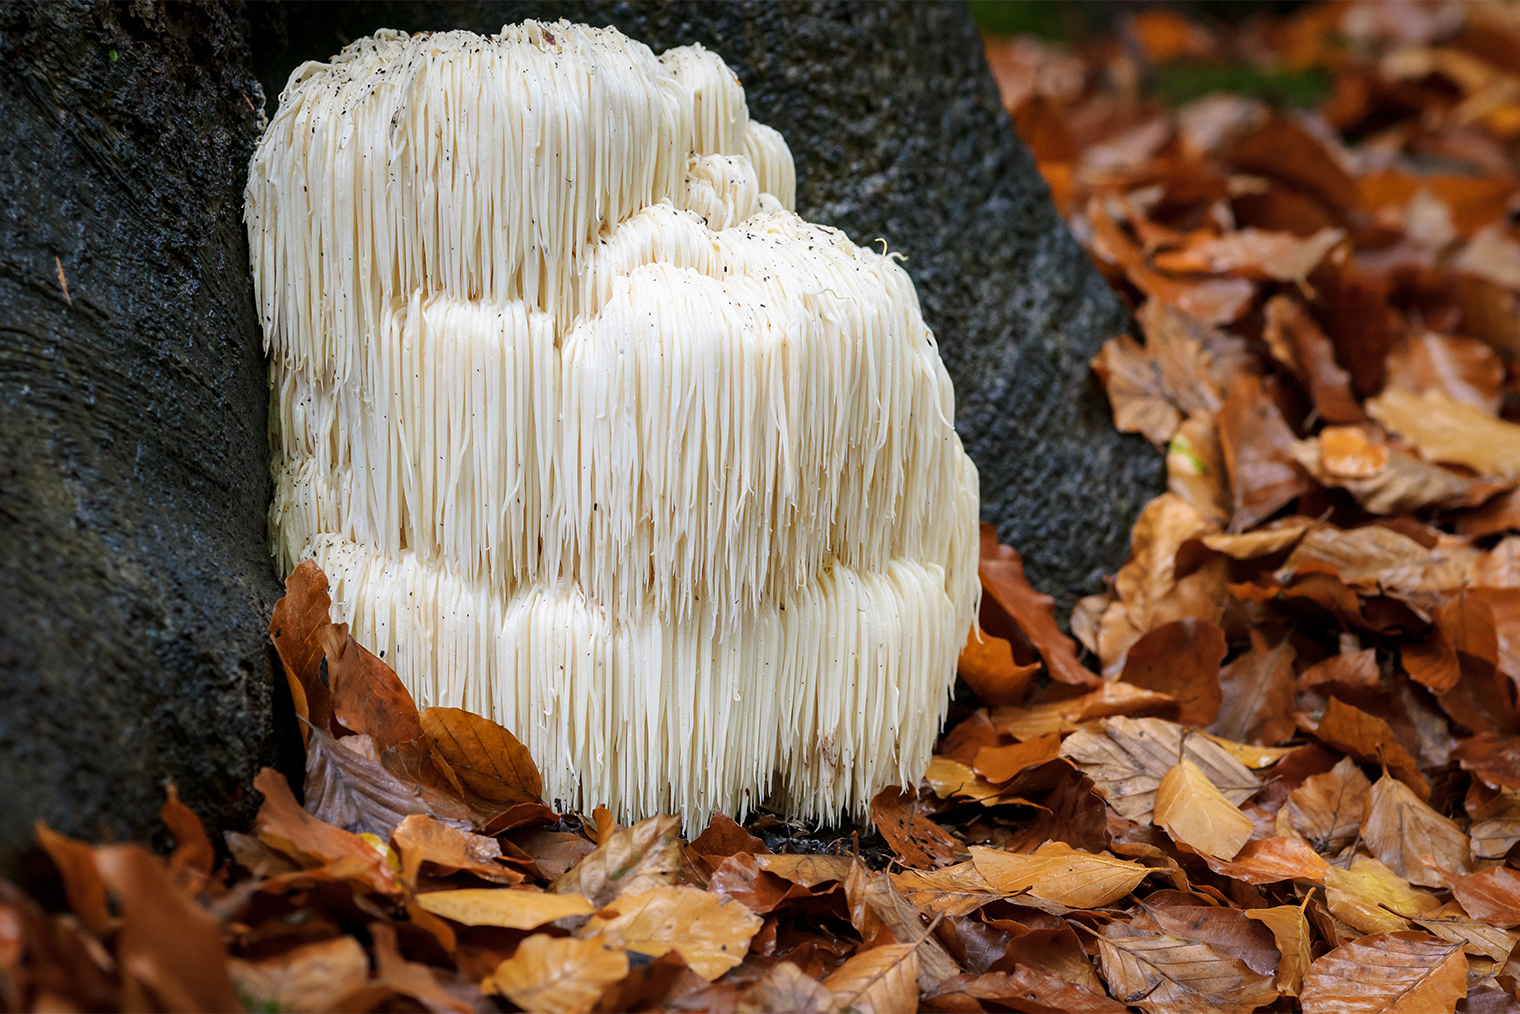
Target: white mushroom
<point>594,435</point>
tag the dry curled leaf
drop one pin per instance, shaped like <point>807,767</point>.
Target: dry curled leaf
<point>558,975</point>
<point>881,980</point>
<point>1002,575</point>
<point>1059,873</point>
<point>1127,758</point>
<point>1404,833</point>
<point>1197,814</point>
<point>913,836</point>
<point>1160,972</point>
<point>1326,810</point>
<point>505,907</point>
<point>632,860</point>
<point>710,932</point>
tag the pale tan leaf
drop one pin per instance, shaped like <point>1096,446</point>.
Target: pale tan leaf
<point>1164,974</point>
<point>558,975</point>
<point>1495,825</point>
<point>1059,873</point>
<point>1291,930</point>
<point>786,988</point>
<point>630,861</point>
<point>503,906</point>
<point>709,931</point>
<point>1273,538</point>
<point>1479,939</point>
<point>954,890</point>
<point>1390,973</point>
<point>1196,814</point>
<point>882,980</point>
<point>809,871</point>
<point>1448,431</point>
<point>1326,810</point>
<point>1032,721</point>
<point>1127,758</point>
<point>1270,860</point>
<point>1372,898</point>
<point>1401,830</point>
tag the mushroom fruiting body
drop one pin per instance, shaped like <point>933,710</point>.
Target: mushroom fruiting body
<point>596,437</point>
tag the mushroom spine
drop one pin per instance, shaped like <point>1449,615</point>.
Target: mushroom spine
<point>594,435</point>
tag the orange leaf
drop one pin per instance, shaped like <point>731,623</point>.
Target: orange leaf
<point>986,664</point>
<point>1390,973</point>
<point>1182,659</point>
<point>1002,574</point>
<point>917,840</point>
<point>1197,815</point>
<point>1369,738</point>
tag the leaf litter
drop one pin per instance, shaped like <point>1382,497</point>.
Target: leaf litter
<point>1274,765</point>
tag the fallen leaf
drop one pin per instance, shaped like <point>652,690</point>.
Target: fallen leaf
<point>1372,898</point>
<point>954,890</point>
<point>1271,860</point>
<point>1063,714</point>
<point>83,887</point>
<point>1195,470</point>
<point>874,902</point>
<point>1025,989</point>
<point>1258,455</point>
<point>1136,392</point>
<point>913,836</point>
<point>710,932</point>
<point>166,942</point>
<point>352,790</point>
<point>421,839</point>
<point>785,987</point>
<point>1213,301</point>
<point>1495,826</point>
<point>367,696</point>
<point>1002,763</point>
<point>1057,872</point>
<point>1355,669</point>
<point>1197,815</point>
<point>1389,973</point>
<point>741,878</point>
<point>1161,973</point>
<point>1128,757</point>
<point>1072,812</point>
<point>1149,576</point>
<point>809,871</point>
<point>410,978</point>
<point>553,852</point>
<point>986,664</point>
<point>193,851</point>
<point>296,629</point>
<point>1478,939</point>
<point>881,980</point>
<point>317,976</point>
<point>558,975</point>
<point>1492,757</point>
<point>1272,538</point>
<point>1257,695</point>
<point>1253,253</point>
<point>725,837</point>
<point>1290,929</point>
<point>488,759</point>
<point>285,827</point>
<point>1326,810</point>
<point>1282,150</point>
<point>1383,479</point>
<point>1369,738</point>
<point>1464,369</point>
<point>1448,431</point>
<point>1002,576</point>
<point>1491,896</point>
<point>1182,659</point>
<point>630,861</point>
<point>1402,831</point>
<point>1298,343</point>
<point>514,909</point>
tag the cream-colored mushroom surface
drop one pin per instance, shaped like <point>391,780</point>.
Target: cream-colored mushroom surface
<point>595,436</point>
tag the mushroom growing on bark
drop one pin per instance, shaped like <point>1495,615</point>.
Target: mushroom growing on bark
<point>596,437</point>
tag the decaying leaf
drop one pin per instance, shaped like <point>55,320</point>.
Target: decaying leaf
<point>1450,432</point>
<point>1372,898</point>
<point>558,975</point>
<point>955,890</point>
<point>1291,931</point>
<point>711,932</point>
<point>633,860</point>
<point>878,981</point>
<point>920,841</point>
<point>1389,973</point>
<point>505,907</point>
<point>1326,810</point>
<point>1197,814</point>
<point>1181,659</point>
<point>348,787</point>
<point>787,988</point>
<point>1402,831</point>
<point>285,827</point>
<point>1258,455</point>
<point>1023,989</point>
<point>1002,575</point>
<point>1491,895</point>
<point>1057,872</point>
<point>1257,695</point>
<point>488,759</point>
<point>319,976</point>
<point>1160,973</point>
<point>1128,757</point>
<point>1270,860</point>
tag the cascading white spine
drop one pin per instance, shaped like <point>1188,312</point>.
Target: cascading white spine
<point>594,435</point>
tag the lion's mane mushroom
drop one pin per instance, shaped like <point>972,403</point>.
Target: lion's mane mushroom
<point>594,435</point>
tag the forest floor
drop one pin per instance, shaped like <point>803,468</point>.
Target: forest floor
<point>1275,766</point>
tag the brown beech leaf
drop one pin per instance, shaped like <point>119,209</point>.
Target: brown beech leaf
<point>1291,932</point>
<point>1145,581</point>
<point>1002,763</point>
<point>709,931</point>
<point>1492,757</point>
<point>1491,896</point>
<point>1257,695</point>
<point>1182,659</point>
<point>1297,342</point>
<point>300,618</point>
<point>1197,815</point>
<point>1479,939</point>
<point>1252,253</point>
<point>986,664</point>
<point>741,878</point>
<point>411,978</point>
<point>1372,898</point>
<point>553,852</point>
<point>1354,669</point>
<point>286,828</point>
<point>448,850</point>
<point>954,890</point>
<point>352,790</point>
<point>1389,973</point>
<point>1213,301</point>
<point>785,987</point>
<point>1128,757</point>
<point>874,902</point>
<point>1161,973</point>
<point>881,980</point>
<point>1369,738</point>
<point>631,860</point>
<point>1002,575</point>
<point>1057,872</point>
<point>1376,558</point>
<point>1284,151</point>
<point>1195,469</point>
<point>82,884</point>
<point>193,851</point>
<point>917,840</point>
<point>166,941</point>
<point>725,837</point>
<point>809,871</point>
<point>367,696</point>
<point>1464,369</point>
<point>1495,826</point>
<point>1136,390</point>
<point>1384,479</point>
<point>1064,713</point>
<point>1024,989</point>
<point>488,759</point>
<point>500,906</point>
<point>1258,456</point>
<point>1073,812</point>
<point>1402,831</point>
<point>1270,860</point>
<point>1273,537</point>
<point>319,976</point>
<point>559,975</point>
<point>1326,809</point>
<point>1449,432</point>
